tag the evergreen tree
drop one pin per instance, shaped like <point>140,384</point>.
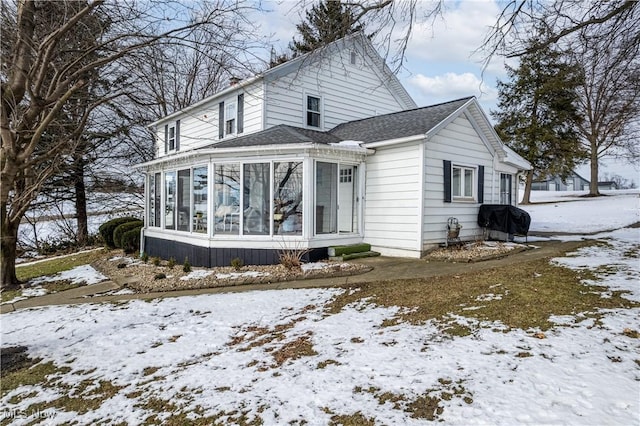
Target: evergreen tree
<point>327,21</point>
<point>537,114</point>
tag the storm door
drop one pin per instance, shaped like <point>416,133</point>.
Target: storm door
<point>348,199</point>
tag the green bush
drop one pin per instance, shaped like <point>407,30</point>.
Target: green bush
<point>107,228</point>
<point>130,240</point>
<point>144,257</point>
<point>186,266</point>
<point>155,261</point>
<point>237,263</point>
<point>171,263</point>
<point>121,229</point>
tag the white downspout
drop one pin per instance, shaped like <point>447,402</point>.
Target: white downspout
<point>421,186</point>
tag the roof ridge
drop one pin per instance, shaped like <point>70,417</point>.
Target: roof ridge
<point>404,111</point>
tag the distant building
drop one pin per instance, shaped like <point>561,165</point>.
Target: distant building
<point>607,185</point>
<point>574,182</point>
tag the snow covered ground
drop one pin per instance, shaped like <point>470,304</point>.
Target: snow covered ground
<point>208,354</point>
<point>568,212</point>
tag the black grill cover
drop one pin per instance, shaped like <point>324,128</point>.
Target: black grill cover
<point>505,218</point>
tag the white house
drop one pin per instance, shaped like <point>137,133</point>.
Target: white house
<point>327,149</point>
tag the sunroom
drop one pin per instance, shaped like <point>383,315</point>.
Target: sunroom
<point>252,201</point>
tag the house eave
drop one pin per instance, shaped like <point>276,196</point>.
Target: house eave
<point>257,150</point>
<point>212,98</point>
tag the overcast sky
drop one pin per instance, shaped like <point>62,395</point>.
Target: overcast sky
<point>440,61</point>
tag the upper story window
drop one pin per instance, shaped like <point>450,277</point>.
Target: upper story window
<point>230,118</point>
<point>313,111</point>
<point>172,137</point>
<point>462,182</point>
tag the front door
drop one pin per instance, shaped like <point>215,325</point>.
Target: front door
<point>348,201</point>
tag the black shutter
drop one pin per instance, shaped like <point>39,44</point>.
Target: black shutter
<point>177,135</point>
<point>241,113</point>
<point>447,180</point>
<point>221,120</point>
<point>481,184</point>
<point>166,138</point>
<point>509,181</point>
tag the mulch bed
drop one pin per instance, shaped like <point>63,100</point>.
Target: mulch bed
<point>144,277</point>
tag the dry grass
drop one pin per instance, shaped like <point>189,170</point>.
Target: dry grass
<point>295,349</point>
<point>520,296</point>
<point>57,264</point>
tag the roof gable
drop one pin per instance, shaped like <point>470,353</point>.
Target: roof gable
<point>362,44</point>
<point>359,40</point>
<point>401,124</point>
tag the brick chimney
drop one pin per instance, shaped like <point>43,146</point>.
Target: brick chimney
<point>233,81</point>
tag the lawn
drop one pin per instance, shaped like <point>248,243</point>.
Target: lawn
<point>542,342</point>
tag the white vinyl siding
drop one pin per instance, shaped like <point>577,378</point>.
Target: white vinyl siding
<point>392,188</point>
<point>459,143</point>
<point>199,126</point>
<point>348,92</point>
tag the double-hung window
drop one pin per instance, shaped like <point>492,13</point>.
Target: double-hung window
<point>230,118</point>
<point>462,182</point>
<point>172,137</point>
<point>313,111</point>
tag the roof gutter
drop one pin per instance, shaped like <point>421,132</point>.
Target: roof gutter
<point>404,139</point>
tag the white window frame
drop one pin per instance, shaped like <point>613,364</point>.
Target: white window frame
<point>171,141</point>
<point>474,174</point>
<point>233,118</point>
<point>307,111</point>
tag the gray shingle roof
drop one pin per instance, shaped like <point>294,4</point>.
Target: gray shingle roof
<point>278,135</point>
<point>398,124</point>
<point>382,127</point>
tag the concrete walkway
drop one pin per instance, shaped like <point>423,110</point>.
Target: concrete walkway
<point>384,268</point>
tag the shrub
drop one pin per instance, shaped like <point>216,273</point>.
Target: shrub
<point>159,276</point>
<point>292,258</point>
<point>56,245</point>
<point>120,230</point>
<point>186,266</point>
<point>237,263</point>
<point>156,261</point>
<point>290,261</point>
<point>130,240</point>
<point>107,228</point>
<point>144,257</point>
<point>171,263</point>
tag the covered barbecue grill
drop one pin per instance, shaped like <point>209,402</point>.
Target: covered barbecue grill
<point>504,218</point>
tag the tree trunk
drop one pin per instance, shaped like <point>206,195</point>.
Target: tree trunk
<point>593,184</point>
<point>8,279</point>
<point>81,203</point>
<point>526,196</point>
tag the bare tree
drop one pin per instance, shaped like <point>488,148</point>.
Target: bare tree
<point>605,39</point>
<point>561,19</point>
<point>44,66</point>
<point>609,98</point>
